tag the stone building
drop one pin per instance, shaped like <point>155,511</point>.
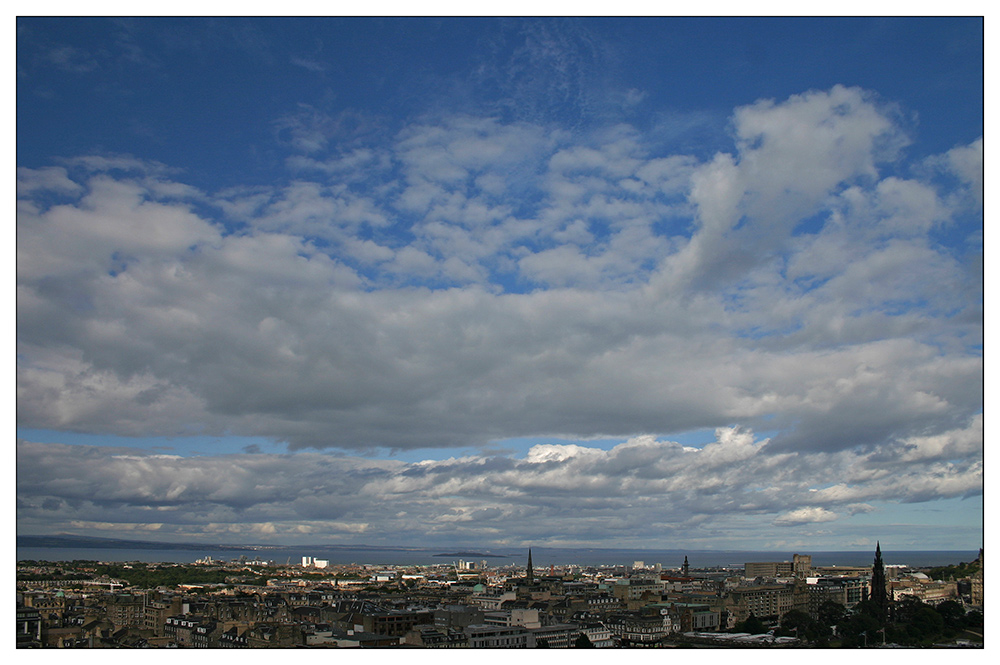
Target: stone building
<point>976,590</point>
<point>767,602</point>
<point>800,566</point>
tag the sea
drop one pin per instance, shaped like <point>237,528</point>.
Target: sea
<point>542,557</point>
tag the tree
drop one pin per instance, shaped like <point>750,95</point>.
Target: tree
<point>799,624</point>
<point>953,615</point>
<point>751,625</point>
<point>866,608</point>
<point>860,629</point>
<point>583,642</point>
<point>920,622</point>
<point>974,619</point>
<point>906,608</point>
<point>953,572</point>
<point>831,613</point>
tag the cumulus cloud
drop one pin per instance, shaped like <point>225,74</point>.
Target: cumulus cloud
<point>805,516</point>
<point>966,163</point>
<point>791,157</point>
<point>473,279</point>
<point>53,179</point>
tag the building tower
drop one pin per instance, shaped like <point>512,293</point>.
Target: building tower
<point>878,594</point>
<point>531,571</point>
<point>686,566</point>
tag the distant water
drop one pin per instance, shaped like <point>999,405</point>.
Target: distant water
<point>542,557</point>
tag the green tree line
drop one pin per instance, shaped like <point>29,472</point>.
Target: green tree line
<point>911,623</point>
<point>954,572</point>
<point>145,577</point>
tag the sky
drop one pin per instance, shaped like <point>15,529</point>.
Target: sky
<point>657,283</point>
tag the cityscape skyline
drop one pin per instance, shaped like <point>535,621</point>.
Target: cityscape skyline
<point>251,603</point>
<point>660,283</point>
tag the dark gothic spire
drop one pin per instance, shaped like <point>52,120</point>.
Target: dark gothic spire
<point>531,571</point>
<point>878,594</point>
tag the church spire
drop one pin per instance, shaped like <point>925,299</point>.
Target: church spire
<point>531,571</point>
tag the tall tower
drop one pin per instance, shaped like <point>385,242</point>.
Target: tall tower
<point>686,567</point>
<point>878,595</point>
<point>801,565</point>
<point>531,571</point>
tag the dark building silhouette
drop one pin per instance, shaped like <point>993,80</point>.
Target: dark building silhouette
<point>531,570</point>
<point>878,593</point>
<point>686,568</point>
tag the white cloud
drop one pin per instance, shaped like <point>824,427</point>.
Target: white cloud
<point>396,303</point>
<point>954,444</point>
<point>306,63</point>
<point>112,224</point>
<point>805,516</point>
<point>967,163</point>
<point>908,207</point>
<point>49,178</point>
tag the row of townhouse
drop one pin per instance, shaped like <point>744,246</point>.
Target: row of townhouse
<point>643,610</point>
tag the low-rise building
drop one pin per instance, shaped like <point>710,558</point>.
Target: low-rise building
<point>598,634</point>
<point>924,589</point>
<point>205,635</point>
<point>767,602</point>
<point>29,628</point>
<point>497,637</point>
<point>126,610</point>
<point>233,638</point>
<point>458,616</point>
<point>513,617</point>
<point>275,636</point>
<point>846,591</point>
<point>558,636</point>
<point>178,629</point>
<point>436,637</point>
<point>638,630</point>
<point>799,566</point>
<point>636,588</point>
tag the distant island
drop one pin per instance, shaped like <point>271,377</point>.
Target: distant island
<point>478,554</point>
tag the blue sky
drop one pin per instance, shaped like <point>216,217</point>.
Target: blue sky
<point>642,282</point>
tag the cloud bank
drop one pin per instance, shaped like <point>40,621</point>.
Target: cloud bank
<point>468,280</point>
<point>473,280</point>
<point>642,492</point>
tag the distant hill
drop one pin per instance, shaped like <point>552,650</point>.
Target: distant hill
<point>68,541</point>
